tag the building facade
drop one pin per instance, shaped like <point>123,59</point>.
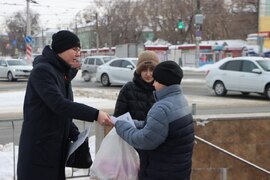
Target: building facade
<point>264,22</point>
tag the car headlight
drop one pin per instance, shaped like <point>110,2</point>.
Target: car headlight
<point>17,70</point>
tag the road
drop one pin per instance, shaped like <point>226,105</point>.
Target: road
<point>194,88</point>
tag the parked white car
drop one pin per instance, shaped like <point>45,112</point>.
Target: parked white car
<point>90,65</point>
<point>13,69</point>
<point>242,74</point>
<point>117,71</point>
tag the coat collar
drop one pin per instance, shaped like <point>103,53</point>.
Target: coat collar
<point>167,91</point>
<point>137,79</point>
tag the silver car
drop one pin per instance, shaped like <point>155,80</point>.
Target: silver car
<point>13,69</point>
<point>90,64</point>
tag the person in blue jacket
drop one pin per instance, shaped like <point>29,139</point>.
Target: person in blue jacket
<point>166,139</point>
<point>48,111</point>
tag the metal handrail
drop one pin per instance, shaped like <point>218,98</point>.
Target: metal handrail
<point>231,154</point>
<point>196,137</point>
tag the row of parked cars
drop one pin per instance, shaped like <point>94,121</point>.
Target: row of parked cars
<point>241,74</point>
<point>13,69</point>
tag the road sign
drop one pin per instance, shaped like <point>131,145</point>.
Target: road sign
<point>14,42</point>
<point>28,39</point>
<point>198,33</point>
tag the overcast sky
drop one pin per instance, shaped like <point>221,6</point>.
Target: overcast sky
<point>52,12</point>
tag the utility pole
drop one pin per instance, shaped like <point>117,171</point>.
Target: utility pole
<point>28,24</point>
<point>97,33</point>
<point>110,28</point>
<point>28,37</point>
<point>76,22</point>
<point>198,33</point>
<point>28,20</point>
<point>110,34</point>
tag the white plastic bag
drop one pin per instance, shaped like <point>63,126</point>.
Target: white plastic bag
<point>115,160</point>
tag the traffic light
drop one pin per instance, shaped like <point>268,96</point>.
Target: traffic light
<point>181,24</point>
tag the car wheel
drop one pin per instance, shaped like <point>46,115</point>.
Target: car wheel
<point>267,91</point>
<point>105,80</point>
<point>86,76</point>
<point>10,77</point>
<point>220,89</point>
<point>245,93</point>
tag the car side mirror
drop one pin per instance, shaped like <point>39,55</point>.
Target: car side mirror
<point>258,71</point>
<point>130,67</point>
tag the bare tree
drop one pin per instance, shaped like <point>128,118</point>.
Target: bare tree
<point>244,18</point>
<point>123,21</point>
<point>164,15</point>
<point>217,21</point>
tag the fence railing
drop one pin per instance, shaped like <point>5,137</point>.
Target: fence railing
<point>99,133</point>
<point>232,155</point>
<point>15,126</point>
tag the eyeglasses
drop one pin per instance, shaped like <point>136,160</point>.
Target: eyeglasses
<point>76,49</point>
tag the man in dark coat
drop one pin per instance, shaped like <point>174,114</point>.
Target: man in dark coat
<point>49,109</point>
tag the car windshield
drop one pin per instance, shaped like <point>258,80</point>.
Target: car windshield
<point>106,59</point>
<point>265,65</point>
<point>16,63</point>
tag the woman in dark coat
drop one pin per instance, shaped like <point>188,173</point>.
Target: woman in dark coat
<point>136,96</point>
<point>49,110</point>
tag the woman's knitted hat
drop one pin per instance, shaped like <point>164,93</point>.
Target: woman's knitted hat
<point>146,59</point>
<point>168,73</point>
<point>64,40</point>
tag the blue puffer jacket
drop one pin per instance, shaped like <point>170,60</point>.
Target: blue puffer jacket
<point>166,141</point>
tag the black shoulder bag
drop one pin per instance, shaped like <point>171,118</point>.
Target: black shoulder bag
<point>81,157</point>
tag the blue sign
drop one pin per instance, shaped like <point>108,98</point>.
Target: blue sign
<point>28,39</point>
<point>198,33</point>
<point>14,42</point>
